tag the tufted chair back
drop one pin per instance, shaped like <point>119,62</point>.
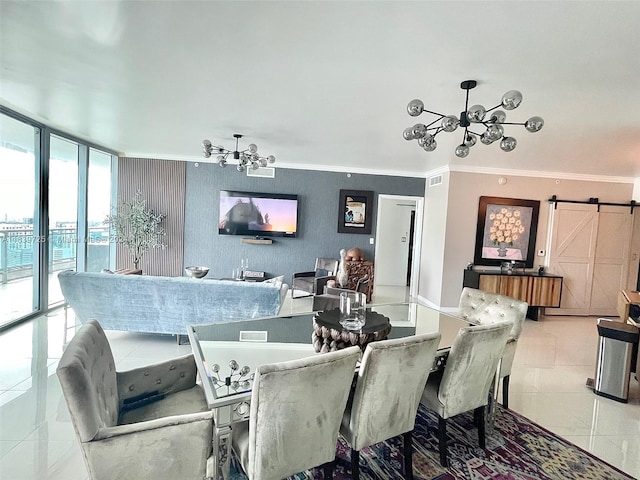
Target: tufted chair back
<point>484,308</point>
<point>88,375</point>
<point>149,423</point>
<point>480,307</point>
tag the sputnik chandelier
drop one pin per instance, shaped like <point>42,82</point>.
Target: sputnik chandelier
<point>248,158</point>
<point>478,115</point>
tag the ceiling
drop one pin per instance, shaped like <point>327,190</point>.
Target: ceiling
<point>326,84</point>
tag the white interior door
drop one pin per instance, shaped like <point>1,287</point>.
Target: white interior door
<point>393,239</point>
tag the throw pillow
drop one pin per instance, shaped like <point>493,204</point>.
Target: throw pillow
<point>277,280</point>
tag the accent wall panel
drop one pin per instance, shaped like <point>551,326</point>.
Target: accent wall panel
<point>162,183</point>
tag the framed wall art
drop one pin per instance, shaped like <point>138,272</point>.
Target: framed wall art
<point>355,211</point>
<point>506,231</point>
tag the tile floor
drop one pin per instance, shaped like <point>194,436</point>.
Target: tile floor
<point>554,358</point>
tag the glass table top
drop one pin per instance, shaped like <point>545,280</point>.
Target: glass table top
<point>227,354</point>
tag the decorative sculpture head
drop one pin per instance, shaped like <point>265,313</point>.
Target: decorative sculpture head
<point>355,254</point>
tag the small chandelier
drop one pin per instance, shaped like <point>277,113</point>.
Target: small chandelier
<point>491,118</point>
<point>248,158</point>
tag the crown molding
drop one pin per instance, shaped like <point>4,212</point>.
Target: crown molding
<point>401,173</point>
<point>279,164</point>
<point>540,174</point>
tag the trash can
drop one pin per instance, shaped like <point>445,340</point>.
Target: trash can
<point>615,353</point>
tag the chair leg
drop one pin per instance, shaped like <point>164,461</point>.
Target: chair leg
<point>478,414</point>
<point>355,464</point>
<point>442,441</point>
<point>328,470</point>
<point>505,391</point>
<point>408,455</point>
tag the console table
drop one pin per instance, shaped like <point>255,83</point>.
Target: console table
<point>355,271</point>
<point>538,290</point>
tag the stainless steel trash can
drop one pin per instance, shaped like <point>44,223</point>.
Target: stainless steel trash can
<point>615,352</point>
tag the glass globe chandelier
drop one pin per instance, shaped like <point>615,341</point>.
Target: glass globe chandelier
<point>491,118</point>
<point>248,158</point>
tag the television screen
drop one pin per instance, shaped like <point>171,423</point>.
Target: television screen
<point>258,214</point>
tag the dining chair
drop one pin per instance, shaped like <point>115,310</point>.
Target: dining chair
<point>485,308</point>
<point>295,414</point>
<point>384,403</point>
<point>464,383</point>
<point>151,422</point>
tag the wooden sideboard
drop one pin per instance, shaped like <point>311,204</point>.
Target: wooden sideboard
<point>355,271</point>
<point>535,289</point>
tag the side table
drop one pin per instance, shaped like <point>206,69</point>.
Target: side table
<point>328,335</point>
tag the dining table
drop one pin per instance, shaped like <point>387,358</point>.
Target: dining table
<point>227,354</point>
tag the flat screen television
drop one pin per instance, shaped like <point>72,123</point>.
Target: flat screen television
<point>258,214</point>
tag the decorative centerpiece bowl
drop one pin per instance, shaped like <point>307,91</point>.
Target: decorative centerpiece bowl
<point>196,272</point>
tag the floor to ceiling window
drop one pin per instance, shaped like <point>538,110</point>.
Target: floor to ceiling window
<point>98,207</point>
<point>18,241</point>
<point>63,212</point>
<point>55,192</point>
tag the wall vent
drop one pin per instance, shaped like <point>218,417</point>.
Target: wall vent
<point>253,336</point>
<point>435,180</point>
<point>264,172</point>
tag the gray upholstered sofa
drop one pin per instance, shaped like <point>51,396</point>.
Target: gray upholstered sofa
<point>141,303</point>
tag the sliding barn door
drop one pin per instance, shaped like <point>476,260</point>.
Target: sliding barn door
<point>590,250</point>
<point>611,265</point>
<point>573,245</point>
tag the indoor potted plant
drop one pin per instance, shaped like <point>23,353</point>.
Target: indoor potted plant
<point>136,227</point>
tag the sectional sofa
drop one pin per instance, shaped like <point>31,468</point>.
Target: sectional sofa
<point>142,303</point>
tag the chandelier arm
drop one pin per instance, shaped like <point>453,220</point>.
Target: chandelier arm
<point>435,113</point>
<point>434,122</point>
<point>466,102</point>
<point>475,133</point>
<point>464,135</point>
<point>512,123</point>
<point>493,108</point>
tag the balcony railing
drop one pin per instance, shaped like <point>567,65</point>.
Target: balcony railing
<point>17,247</point>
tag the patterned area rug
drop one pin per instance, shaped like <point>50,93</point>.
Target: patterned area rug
<point>517,449</point>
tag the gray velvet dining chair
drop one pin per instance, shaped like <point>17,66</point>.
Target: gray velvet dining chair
<point>384,403</point>
<point>149,423</point>
<point>295,414</point>
<point>464,383</point>
<point>485,308</point>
